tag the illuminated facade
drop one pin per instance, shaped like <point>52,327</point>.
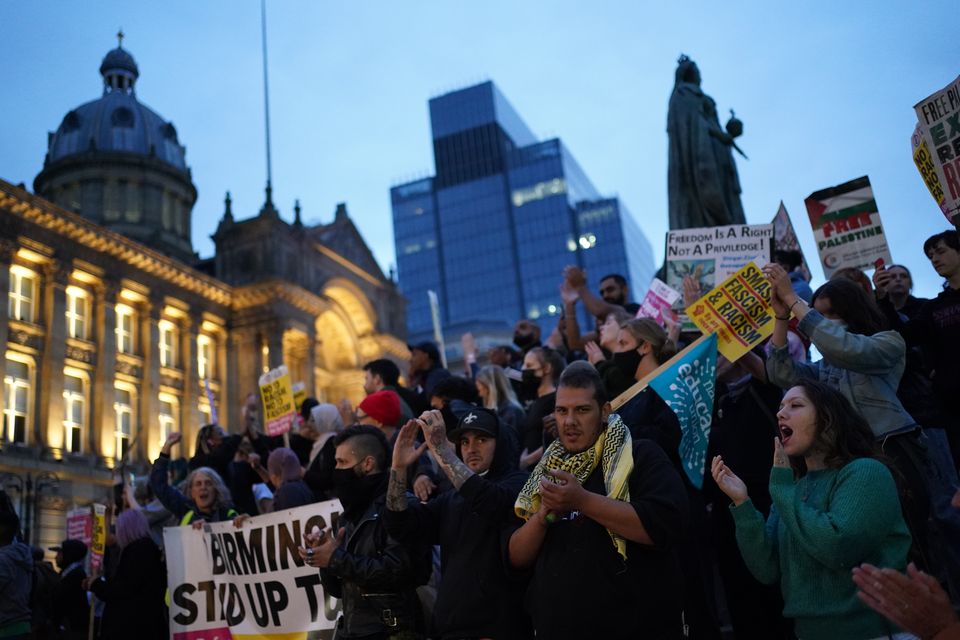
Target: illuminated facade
<point>115,330</point>
<point>492,231</point>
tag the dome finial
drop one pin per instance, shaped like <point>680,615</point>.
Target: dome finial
<point>120,38</point>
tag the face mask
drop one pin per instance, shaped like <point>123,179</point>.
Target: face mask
<point>524,340</point>
<point>355,491</point>
<point>530,382</point>
<point>627,362</point>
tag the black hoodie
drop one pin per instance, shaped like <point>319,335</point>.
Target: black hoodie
<point>476,597</point>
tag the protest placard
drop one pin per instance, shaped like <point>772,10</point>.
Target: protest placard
<point>936,146</point>
<point>659,298</point>
<point>785,237</point>
<point>738,311</point>
<point>276,392</point>
<point>846,226</point>
<point>249,582</point>
<point>98,542</point>
<point>299,394</point>
<point>711,254</point>
<point>80,525</point>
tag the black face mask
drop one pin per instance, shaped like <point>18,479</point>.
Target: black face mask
<point>530,382</point>
<point>627,362</point>
<point>524,340</point>
<point>355,491</point>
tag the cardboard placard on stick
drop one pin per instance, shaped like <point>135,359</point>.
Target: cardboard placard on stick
<point>276,393</point>
<point>738,311</point>
<point>936,147</point>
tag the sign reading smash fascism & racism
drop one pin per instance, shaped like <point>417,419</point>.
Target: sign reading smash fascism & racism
<point>249,582</point>
<point>738,311</point>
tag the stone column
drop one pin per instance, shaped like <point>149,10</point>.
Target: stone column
<point>149,413</point>
<point>224,373</point>
<point>273,334</point>
<point>189,413</point>
<point>103,395</point>
<point>7,249</point>
<point>49,431</point>
<point>243,363</point>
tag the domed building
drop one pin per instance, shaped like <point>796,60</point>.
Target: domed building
<point>118,163</point>
<point>117,334</point>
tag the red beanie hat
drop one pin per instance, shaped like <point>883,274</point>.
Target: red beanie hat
<point>382,406</point>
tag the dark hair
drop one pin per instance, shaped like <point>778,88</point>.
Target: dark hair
<point>789,257</point>
<point>455,388</point>
<point>366,441</point>
<point>583,375</point>
<point>616,277</point>
<point>849,301</point>
<point>552,358</point>
<point>9,527</point>
<point>388,371</point>
<point>649,330</point>
<point>842,434</point>
<point>205,432</point>
<point>854,275</point>
<point>900,266</point>
<point>949,238</point>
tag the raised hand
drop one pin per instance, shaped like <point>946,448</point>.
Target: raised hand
<point>405,450</point>
<point>172,439</point>
<point>780,458</point>
<point>594,353</point>
<point>881,280</point>
<point>575,276</point>
<point>434,431</point>
<point>691,290</point>
<point>915,602</point>
<point>782,294</point>
<point>728,482</point>
<point>568,294</point>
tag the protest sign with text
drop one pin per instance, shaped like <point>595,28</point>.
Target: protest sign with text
<point>249,582</point>
<point>846,227</point>
<point>659,298</point>
<point>711,254</point>
<point>276,392</point>
<point>785,237</point>
<point>738,311</point>
<point>80,525</point>
<point>299,394</point>
<point>98,541</point>
<point>936,146</point>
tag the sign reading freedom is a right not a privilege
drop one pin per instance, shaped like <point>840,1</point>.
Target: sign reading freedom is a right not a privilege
<point>846,226</point>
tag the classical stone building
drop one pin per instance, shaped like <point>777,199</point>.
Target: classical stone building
<point>115,329</point>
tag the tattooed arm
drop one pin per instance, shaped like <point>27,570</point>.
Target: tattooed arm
<point>405,453</point>
<point>435,434</point>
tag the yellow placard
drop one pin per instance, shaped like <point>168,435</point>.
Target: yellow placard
<point>299,395</point>
<point>276,393</point>
<point>738,311</point>
<point>98,543</point>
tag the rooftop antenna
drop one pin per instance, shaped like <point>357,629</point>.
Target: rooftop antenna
<point>266,102</point>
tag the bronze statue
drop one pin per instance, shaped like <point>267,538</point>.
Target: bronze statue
<point>702,182</point>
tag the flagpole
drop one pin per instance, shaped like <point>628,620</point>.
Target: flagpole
<point>642,384</point>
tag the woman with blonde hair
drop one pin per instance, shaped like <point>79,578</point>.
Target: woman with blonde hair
<point>497,394</point>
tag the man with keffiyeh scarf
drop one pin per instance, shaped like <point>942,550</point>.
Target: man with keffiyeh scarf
<point>601,513</point>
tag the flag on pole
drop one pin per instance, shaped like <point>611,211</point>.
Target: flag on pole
<point>687,386</point>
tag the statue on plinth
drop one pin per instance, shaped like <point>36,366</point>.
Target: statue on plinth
<point>702,182</point>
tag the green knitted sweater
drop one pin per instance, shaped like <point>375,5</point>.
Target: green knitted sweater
<point>820,527</point>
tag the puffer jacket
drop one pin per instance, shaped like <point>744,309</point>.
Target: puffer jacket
<point>16,573</point>
<point>376,578</point>
<point>865,369</point>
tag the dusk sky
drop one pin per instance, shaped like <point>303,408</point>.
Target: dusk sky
<point>825,90</point>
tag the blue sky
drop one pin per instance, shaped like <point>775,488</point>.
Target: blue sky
<point>825,90</point>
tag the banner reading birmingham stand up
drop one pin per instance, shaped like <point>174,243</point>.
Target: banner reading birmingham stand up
<point>250,582</point>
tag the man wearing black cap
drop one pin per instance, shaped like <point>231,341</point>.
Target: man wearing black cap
<point>71,611</point>
<point>425,372</point>
<point>476,598</point>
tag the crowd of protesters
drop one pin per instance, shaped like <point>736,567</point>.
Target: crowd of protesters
<point>511,502</point>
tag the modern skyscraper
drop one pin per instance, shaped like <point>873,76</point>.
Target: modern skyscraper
<point>492,230</point>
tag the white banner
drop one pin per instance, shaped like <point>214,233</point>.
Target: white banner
<point>713,254</point>
<point>250,582</point>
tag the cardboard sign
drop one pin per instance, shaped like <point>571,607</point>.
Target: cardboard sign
<point>936,146</point>
<point>846,226</point>
<point>738,311</point>
<point>659,298</point>
<point>712,254</point>
<point>98,543</point>
<point>299,394</point>
<point>80,525</point>
<point>276,393</point>
<point>785,237</point>
<point>249,582</point>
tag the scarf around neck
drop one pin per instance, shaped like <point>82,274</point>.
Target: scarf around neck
<point>613,451</point>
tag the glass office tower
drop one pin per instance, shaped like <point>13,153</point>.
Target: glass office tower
<point>504,213</point>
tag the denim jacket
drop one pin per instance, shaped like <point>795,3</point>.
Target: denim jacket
<point>865,369</point>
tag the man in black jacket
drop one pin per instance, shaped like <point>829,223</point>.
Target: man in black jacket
<point>372,573</point>
<point>71,609</point>
<point>602,512</point>
<point>476,597</point>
